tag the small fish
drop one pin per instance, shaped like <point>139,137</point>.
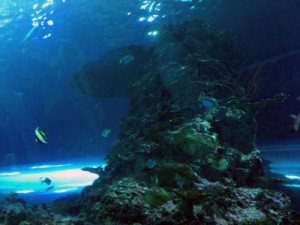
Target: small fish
<point>154,180</point>
<point>46,180</point>
<point>126,59</point>
<point>106,132</point>
<point>49,188</point>
<point>207,104</point>
<point>40,136</point>
<point>295,122</point>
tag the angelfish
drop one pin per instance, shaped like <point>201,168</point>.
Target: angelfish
<point>40,136</point>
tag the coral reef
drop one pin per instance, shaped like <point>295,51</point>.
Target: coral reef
<point>128,201</point>
<point>186,151</point>
<point>186,109</point>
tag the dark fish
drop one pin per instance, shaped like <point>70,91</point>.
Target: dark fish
<point>45,180</point>
<point>49,188</point>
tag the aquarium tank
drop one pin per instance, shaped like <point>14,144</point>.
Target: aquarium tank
<point>149,112</point>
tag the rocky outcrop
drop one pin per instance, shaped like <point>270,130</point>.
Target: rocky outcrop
<point>14,210</point>
<point>128,201</point>
<point>186,151</point>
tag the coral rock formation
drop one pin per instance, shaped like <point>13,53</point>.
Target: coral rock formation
<point>186,151</point>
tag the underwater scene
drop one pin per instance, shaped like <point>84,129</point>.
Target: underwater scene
<point>149,112</point>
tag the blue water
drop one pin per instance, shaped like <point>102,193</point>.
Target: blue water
<point>285,159</point>
<point>66,176</point>
<point>44,42</point>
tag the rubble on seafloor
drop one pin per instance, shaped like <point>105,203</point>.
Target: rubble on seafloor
<point>186,151</point>
<point>15,211</point>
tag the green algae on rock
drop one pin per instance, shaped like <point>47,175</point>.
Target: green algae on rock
<point>193,144</point>
<point>156,197</point>
<point>219,163</point>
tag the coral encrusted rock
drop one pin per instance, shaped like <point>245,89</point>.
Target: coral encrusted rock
<point>186,151</point>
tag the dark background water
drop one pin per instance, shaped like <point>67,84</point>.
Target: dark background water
<point>35,75</point>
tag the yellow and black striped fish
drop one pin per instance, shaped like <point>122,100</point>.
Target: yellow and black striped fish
<point>40,136</point>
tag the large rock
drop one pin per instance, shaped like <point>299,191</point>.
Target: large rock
<point>186,152</point>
